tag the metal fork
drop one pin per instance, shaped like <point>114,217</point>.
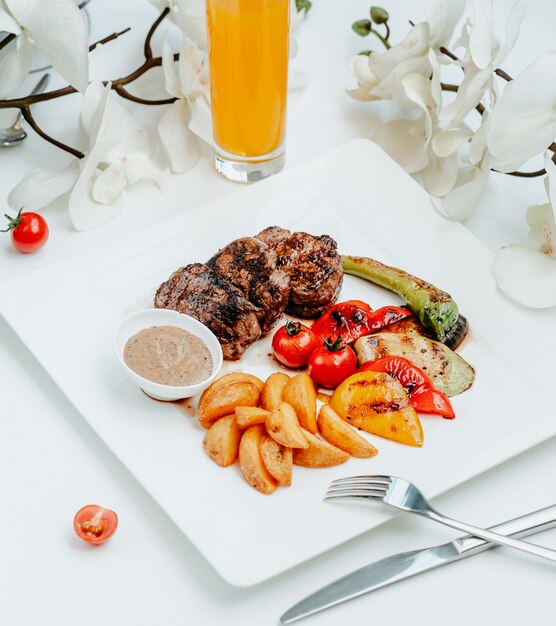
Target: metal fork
<point>405,496</point>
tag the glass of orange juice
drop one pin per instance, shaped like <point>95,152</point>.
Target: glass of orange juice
<point>248,56</point>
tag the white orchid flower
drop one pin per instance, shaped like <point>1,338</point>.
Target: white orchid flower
<point>524,119</point>
<point>189,116</point>
<point>484,54</point>
<point>527,272</point>
<point>117,156</point>
<point>56,28</point>
<point>189,17</point>
<point>379,74</point>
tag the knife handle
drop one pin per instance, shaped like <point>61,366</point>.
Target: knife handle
<point>523,526</point>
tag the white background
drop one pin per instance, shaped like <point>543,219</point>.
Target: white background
<point>51,463</point>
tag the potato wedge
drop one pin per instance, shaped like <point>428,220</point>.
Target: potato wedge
<point>222,400</point>
<point>250,415</point>
<point>340,434</point>
<point>251,463</point>
<point>239,376</point>
<point>300,393</point>
<point>221,441</point>
<point>282,425</point>
<point>320,453</point>
<point>271,395</point>
<point>378,404</point>
<point>278,460</point>
<point>324,397</point>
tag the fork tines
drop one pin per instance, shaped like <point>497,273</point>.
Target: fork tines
<point>355,487</point>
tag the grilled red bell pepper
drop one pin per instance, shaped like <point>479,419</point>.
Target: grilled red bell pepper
<point>419,387</point>
<point>354,318</point>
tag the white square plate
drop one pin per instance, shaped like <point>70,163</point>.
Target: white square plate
<point>371,207</point>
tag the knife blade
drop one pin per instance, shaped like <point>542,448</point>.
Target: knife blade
<point>405,564</point>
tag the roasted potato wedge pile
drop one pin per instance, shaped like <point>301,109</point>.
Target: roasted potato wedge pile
<point>272,426</point>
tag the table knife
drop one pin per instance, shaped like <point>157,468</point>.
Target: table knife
<point>401,566</point>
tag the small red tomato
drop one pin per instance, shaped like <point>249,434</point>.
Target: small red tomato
<point>332,363</point>
<point>94,524</point>
<point>349,320</point>
<point>29,231</point>
<point>293,343</point>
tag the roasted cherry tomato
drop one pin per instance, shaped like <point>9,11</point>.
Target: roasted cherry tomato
<point>332,363</point>
<point>419,387</point>
<point>386,315</point>
<point>29,231</point>
<point>94,524</point>
<point>293,343</point>
<point>348,320</point>
<point>432,401</point>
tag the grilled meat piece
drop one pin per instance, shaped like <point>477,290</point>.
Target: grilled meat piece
<point>198,291</point>
<point>273,235</point>
<point>251,266</point>
<point>313,265</point>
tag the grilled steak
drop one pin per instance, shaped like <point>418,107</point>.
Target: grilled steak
<point>251,266</point>
<point>198,291</point>
<point>313,265</point>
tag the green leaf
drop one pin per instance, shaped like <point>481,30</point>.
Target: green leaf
<point>365,53</point>
<point>379,15</point>
<point>303,4</point>
<point>362,27</point>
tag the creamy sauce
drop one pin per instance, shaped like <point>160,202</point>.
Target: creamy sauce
<point>168,355</point>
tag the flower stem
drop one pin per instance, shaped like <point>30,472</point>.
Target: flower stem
<point>383,39</point>
<point>147,48</point>
<point>26,112</point>
<point>7,40</point>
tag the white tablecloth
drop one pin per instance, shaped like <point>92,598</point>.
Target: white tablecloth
<point>51,463</point>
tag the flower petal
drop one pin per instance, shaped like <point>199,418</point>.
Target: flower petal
<point>201,120</point>
<point>481,38</point>
<point>180,144</point>
<point>524,119</point>
<point>57,27</point>
<point>440,174</point>
<point>109,184</point>
<point>448,141</point>
<point>464,198</point>
<point>171,77</point>
<point>39,188</point>
<point>442,16</point>
<point>527,276</point>
<point>15,66</point>
<point>404,141</point>
<point>138,166</point>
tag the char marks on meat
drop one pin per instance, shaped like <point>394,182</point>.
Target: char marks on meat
<point>198,291</point>
<point>251,266</point>
<point>313,265</point>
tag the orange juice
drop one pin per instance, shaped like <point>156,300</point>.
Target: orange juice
<point>248,53</point>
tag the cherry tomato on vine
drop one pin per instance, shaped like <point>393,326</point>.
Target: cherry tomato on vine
<point>332,363</point>
<point>293,343</point>
<point>29,231</point>
<point>94,524</point>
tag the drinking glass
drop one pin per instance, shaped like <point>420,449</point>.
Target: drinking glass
<point>248,57</point>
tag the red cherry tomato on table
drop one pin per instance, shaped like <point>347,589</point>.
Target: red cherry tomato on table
<point>29,231</point>
<point>94,524</point>
<point>332,363</point>
<point>293,343</point>
<point>419,387</point>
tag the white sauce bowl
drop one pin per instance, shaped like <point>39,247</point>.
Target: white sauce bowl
<point>164,317</point>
